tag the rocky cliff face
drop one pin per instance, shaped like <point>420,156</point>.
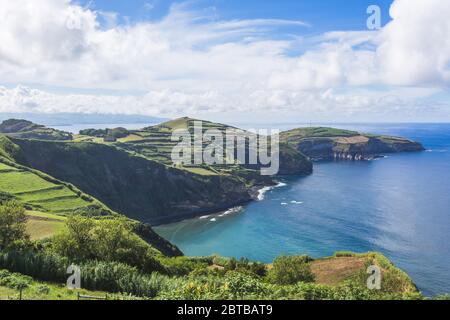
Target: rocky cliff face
<point>329,144</point>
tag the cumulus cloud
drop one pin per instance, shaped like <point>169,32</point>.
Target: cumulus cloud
<point>190,62</point>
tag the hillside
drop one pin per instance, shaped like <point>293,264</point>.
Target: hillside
<point>29,130</point>
<point>340,277</point>
<point>329,143</point>
<point>155,143</point>
<point>48,199</point>
<point>138,187</point>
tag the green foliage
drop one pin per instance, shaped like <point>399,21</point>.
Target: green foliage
<point>95,275</point>
<point>92,210</point>
<point>241,285</point>
<point>106,240</point>
<point>12,224</point>
<point>41,265</point>
<point>291,270</point>
<point>101,133</point>
<point>233,285</point>
<point>181,266</point>
<point>42,289</point>
<point>5,197</point>
<point>220,261</point>
<point>14,280</point>
<point>244,265</point>
<point>119,277</point>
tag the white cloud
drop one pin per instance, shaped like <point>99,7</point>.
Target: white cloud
<point>190,63</point>
<point>326,104</point>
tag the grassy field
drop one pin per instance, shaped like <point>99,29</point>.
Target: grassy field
<point>29,188</point>
<point>37,290</point>
<point>155,143</point>
<point>332,271</point>
<point>43,225</point>
<point>316,132</point>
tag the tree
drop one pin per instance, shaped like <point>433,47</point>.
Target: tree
<point>12,224</point>
<point>291,270</point>
<point>106,240</point>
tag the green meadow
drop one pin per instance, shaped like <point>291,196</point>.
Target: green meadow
<point>35,191</point>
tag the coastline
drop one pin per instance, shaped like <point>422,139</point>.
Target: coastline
<point>257,194</point>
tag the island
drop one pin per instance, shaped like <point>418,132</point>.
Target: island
<point>94,201</point>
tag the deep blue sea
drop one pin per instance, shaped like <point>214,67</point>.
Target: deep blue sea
<point>398,205</point>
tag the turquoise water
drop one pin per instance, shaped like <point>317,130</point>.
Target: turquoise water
<point>397,205</point>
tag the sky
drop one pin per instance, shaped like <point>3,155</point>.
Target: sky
<point>228,60</point>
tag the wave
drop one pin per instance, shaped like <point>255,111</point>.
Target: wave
<point>231,211</point>
<point>262,191</point>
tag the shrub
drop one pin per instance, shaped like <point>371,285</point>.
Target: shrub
<point>244,265</point>
<point>220,261</point>
<point>181,266</point>
<point>290,270</point>
<point>242,286</point>
<point>14,280</point>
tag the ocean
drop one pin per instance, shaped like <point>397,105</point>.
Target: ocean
<point>398,205</point>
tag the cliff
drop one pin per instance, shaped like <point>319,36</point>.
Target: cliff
<point>140,188</point>
<point>329,143</point>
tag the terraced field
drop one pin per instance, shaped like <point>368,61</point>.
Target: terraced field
<point>43,225</point>
<point>155,143</point>
<point>29,188</point>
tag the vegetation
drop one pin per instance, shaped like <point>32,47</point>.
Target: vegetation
<point>113,259</point>
<point>130,184</point>
<point>41,192</point>
<point>86,239</point>
<point>291,270</point>
<point>43,225</point>
<point>317,132</point>
<point>28,130</point>
<point>12,283</point>
<point>12,224</point>
<point>47,223</point>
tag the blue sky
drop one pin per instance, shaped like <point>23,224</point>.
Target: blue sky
<point>324,15</point>
<point>227,59</point>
